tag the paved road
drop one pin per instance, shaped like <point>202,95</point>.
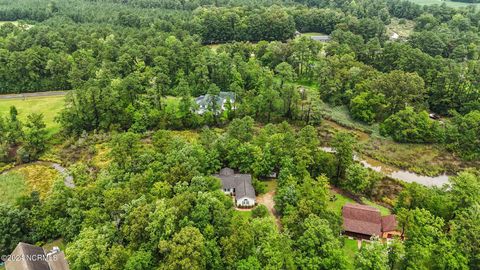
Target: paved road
<point>36,94</point>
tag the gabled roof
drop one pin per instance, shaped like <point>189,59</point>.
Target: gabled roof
<point>362,219</point>
<point>30,251</point>
<point>220,98</point>
<point>244,187</point>
<point>242,183</point>
<point>389,223</point>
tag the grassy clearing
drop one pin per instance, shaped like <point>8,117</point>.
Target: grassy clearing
<point>340,200</point>
<point>383,210</point>
<point>189,135</point>
<point>49,106</point>
<point>439,2</point>
<point>425,159</point>
<point>24,25</point>
<point>244,214</point>
<point>214,47</point>
<point>350,249</point>
<point>271,185</point>
<point>24,180</point>
<point>311,34</point>
<point>340,115</point>
<point>101,159</point>
<point>12,187</point>
<point>402,29</point>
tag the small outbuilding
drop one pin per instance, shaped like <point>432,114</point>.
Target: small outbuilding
<point>238,185</point>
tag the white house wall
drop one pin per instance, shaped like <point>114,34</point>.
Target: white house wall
<point>251,202</point>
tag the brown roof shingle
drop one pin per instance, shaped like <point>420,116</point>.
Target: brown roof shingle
<point>389,223</point>
<point>362,219</point>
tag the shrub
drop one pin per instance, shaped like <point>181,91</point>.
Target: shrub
<point>260,211</point>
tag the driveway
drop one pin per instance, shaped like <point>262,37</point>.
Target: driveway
<point>267,200</point>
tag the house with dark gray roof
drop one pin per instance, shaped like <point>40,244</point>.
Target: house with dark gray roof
<point>238,185</point>
<point>30,257</point>
<point>205,101</point>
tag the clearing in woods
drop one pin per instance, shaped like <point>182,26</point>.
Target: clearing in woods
<point>448,3</point>
<point>49,104</point>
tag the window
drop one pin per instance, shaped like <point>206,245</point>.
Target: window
<point>245,202</point>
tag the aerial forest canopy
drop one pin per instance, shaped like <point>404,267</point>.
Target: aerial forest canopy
<point>142,152</point>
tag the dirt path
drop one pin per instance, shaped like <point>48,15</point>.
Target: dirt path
<point>267,200</point>
<point>35,94</point>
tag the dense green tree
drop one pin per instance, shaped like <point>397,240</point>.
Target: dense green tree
<point>185,251</point>
<point>358,179</point>
<point>343,145</point>
<point>35,136</point>
<point>410,126</point>
<point>124,149</point>
<point>14,127</point>
<point>317,246</point>
<point>13,226</point>
<point>372,256</point>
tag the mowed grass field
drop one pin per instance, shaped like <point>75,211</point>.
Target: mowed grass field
<point>448,3</point>
<point>49,106</point>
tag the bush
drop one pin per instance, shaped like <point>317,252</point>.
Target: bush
<point>260,211</point>
<point>259,186</point>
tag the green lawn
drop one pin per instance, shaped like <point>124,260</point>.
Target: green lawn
<point>337,204</point>
<point>271,185</point>
<point>350,249</point>
<point>49,106</point>
<point>244,214</point>
<point>341,200</point>
<point>12,186</point>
